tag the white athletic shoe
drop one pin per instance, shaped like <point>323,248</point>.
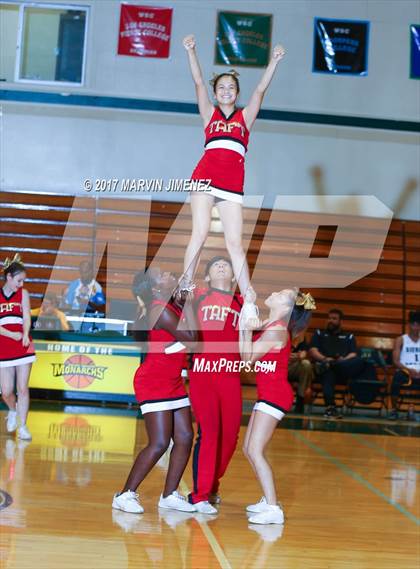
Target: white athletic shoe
<point>260,506</point>
<point>127,502</point>
<point>176,502</point>
<point>11,419</point>
<point>24,434</point>
<point>205,507</point>
<point>273,515</point>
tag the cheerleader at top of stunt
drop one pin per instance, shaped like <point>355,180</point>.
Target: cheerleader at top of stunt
<point>289,316</point>
<point>226,131</point>
<point>16,349</point>
<point>160,391</point>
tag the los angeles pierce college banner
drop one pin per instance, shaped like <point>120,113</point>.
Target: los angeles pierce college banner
<point>340,46</point>
<point>145,31</point>
<point>243,39</point>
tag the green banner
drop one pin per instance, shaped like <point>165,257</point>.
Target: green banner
<point>243,39</point>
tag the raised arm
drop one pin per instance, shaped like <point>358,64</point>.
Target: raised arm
<point>166,319</point>
<point>252,109</point>
<point>204,104</point>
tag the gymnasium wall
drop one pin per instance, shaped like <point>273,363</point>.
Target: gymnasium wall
<point>50,147</point>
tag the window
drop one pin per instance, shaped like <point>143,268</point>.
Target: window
<point>51,43</point>
<point>9,23</point>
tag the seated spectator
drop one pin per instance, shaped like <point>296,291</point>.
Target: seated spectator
<point>336,353</point>
<point>301,372</point>
<point>49,309</point>
<point>406,358</point>
<point>85,293</point>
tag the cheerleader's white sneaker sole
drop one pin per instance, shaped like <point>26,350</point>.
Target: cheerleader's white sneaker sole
<point>273,515</point>
<point>127,502</point>
<point>205,507</point>
<point>176,502</point>
<point>24,434</point>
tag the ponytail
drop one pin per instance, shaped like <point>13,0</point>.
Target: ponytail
<point>301,313</point>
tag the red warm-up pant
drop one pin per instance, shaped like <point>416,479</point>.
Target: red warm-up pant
<point>216,400</point>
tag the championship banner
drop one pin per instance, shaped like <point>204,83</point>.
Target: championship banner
<point>72,366</point>
<point>145,31</point>
<point>243,39</point>
<point>415,51</point>
<point>340,47</point>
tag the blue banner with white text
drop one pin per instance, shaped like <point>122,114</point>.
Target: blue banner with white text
<point>340,47</point>
<point>415,51</point>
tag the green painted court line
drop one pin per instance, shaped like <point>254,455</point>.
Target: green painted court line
<point>101,101</point>
<point>347,470</point>
<point>386,453</point>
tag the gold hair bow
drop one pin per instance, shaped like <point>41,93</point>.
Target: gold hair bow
<point>8,262</point>
<point>217,75</point>
<point>306,300</point>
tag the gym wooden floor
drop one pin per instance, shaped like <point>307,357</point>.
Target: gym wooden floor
<point>350,498</point>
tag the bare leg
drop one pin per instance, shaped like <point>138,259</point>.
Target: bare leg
<point>180,453</point>
<point>7,384</point>
<point>201,206</point>
<point>263,427</point>
<point>231,217</point>
<point>248,434</point>
<point>245,445</point>
<point>159,427</point>
<point>22,380</point>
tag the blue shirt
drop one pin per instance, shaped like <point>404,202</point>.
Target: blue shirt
<point>92,292</point>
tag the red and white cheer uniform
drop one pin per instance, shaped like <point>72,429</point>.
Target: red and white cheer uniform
<point>13,352</point>
<point>223,161</point>
<point>157,382</point>
<point>274,392</point>
<point>215,389</point>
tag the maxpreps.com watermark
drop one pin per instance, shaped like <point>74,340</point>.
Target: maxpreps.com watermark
<point>138,185</point>
<point>229,366</point>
